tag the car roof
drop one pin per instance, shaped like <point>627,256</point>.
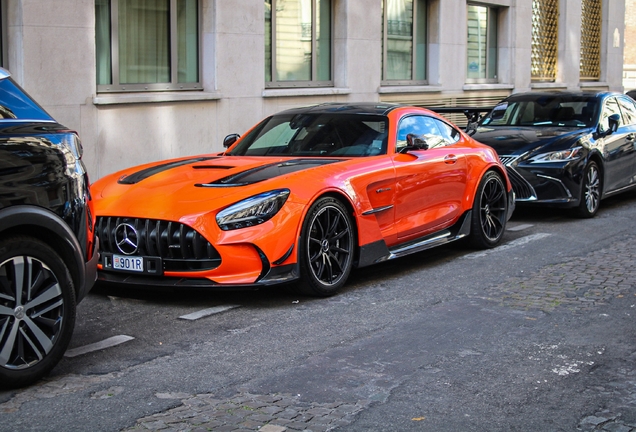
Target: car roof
<point>550,94</point>
<point>373,108</point>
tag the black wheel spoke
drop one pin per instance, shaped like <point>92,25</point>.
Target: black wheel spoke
<point>493,208</point>
<point>329,245</point>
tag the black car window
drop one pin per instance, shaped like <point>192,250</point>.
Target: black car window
<point>426,129</point>
<point>609,107</point>
<point>316,135</point>
<point>628,110</point>
<point>16,104</point>
<point>541,110</point>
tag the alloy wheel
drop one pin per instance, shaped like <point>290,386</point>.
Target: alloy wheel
<point>330,245</point>
<point>493,207</point>
<point>31,312</point>
<point>592,189</point>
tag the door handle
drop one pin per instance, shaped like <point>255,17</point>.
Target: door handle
<point>450,159</point>
<point>630,137</point>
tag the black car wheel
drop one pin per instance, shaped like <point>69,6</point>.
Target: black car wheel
<point>490,209</point>
<point>591,191</point>
<point>327,246</point>
<point>37,310</point>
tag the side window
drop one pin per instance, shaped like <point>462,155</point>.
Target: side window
<point>450,134</point>
<point>628,110</point>
<point>610,107</point>
<point>426,129</point>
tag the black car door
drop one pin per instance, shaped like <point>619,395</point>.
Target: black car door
<point>618,148</point>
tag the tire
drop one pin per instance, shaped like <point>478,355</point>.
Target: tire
<point>490,211</point>
<point>326,248</point>
<point>37,310</point>
<point>591,189</point>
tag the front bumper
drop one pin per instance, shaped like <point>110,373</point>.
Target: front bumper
<point>557,184</point>
<point>276,276</point>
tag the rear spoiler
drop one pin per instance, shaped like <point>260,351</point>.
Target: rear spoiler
<point>473,114</point>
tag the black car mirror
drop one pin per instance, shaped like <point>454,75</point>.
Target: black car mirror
<point>230,139</point>
<point>612,126</point>
<point>613,121</point>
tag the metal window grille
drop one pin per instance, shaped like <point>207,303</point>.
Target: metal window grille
<point>591,20</point>
<point>545,31</point>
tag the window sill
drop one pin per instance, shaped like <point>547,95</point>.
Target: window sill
<point>153,97</point>
<point>486,86</point>
<point>409,89</point>
<point>593,84</point>
<point>305,91</point>
<point>548,85</point>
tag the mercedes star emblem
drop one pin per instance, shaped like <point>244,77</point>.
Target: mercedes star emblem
<point>126,238</point>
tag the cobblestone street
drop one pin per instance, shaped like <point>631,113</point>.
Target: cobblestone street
<point>575,286</point>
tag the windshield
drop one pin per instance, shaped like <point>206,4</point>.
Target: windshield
<point>316,135</point>
<point>558,110</point>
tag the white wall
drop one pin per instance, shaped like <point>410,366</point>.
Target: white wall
<point>52,54</point>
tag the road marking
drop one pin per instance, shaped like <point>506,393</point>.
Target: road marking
<point>519,227</point>
<point>518,242</point>
<point>207,312</point>
<point>106,343</point>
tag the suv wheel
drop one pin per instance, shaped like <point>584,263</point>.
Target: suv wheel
<point>37,310</point>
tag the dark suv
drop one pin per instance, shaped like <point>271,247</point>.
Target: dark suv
<point>48,250</point>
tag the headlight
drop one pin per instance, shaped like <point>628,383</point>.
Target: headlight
<point>558,156</point>
<point>252,211</point>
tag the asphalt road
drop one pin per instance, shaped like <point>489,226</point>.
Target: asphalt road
<point>535,335</point>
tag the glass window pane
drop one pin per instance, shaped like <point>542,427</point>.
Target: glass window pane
<point>492,44</point>
<point>420,41</point>
<point>323,40</point>
<point>144,41</point>
<point>293,40</point>
<point>268,40</point>
<point>477,41</point>
<point>188,41</point>
<point>399,39</point>
<point>102,41</point>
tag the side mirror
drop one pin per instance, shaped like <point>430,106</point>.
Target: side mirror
<point>230,139</point>
<point>414,142</point>
<point>613,121</point>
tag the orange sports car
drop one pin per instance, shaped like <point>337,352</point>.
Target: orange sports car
<point>303,197</point>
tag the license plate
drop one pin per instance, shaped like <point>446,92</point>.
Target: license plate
<point>121,262</point>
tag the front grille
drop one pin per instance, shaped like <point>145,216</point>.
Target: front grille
<point>180,247</point>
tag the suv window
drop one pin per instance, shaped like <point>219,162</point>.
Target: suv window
<point>15,104</point>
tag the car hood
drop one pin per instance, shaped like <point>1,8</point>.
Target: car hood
<point>198,184</point>
<point>521,140</point>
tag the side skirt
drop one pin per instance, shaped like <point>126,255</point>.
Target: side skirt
<point>378,251</point>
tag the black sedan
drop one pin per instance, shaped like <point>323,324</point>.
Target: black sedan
<point>564,149</point>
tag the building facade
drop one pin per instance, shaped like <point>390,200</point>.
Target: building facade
<point>143,80</point>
